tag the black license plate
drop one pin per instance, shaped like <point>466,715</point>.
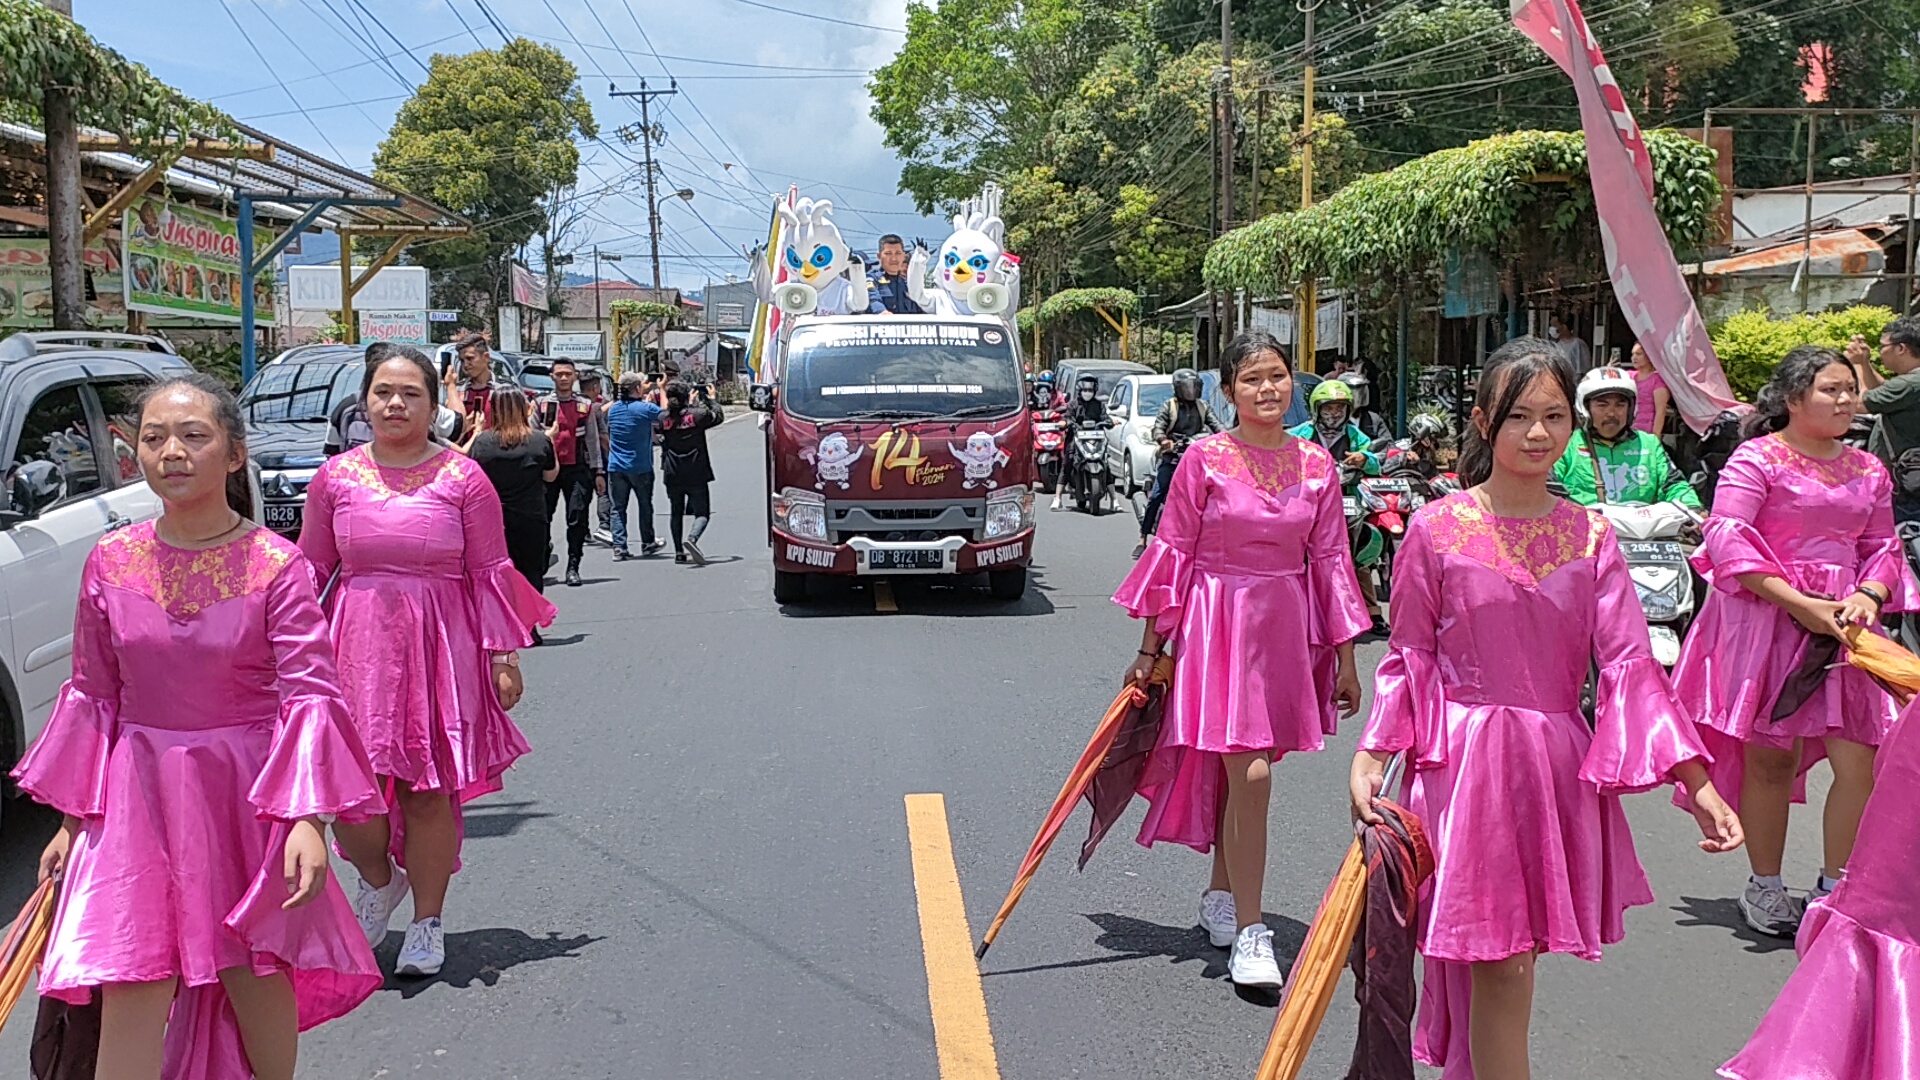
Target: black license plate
<point>905,559</point>
<point>283,517</point>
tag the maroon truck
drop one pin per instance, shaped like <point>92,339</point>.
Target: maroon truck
<point>898,445</point>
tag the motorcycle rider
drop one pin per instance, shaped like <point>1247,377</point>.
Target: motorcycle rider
<point>1419,453</point>
<point>1085,410</point>
<point>1365,416</point>
<point>1184,418</point>
<point>1608,461</point>
<point>1045,397</point>
<point>1332,426</point>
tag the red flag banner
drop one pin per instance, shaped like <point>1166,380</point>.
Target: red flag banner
<point>1646,277</point>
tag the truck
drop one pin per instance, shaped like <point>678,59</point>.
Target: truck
<point>898,445</point>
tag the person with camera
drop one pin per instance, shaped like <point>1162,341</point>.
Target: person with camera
<point>686,467</point>
<point>467,384</point>
<point>568,419</point>
<point>1184,418</point>
<point>630,426</point>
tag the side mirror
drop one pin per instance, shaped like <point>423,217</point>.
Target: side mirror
<point>1121,412</point>
<point>760,398</point>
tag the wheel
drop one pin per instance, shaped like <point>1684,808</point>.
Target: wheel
<point>1008,584</point>
<point>1385,567</point>
<point>1097,492</point>
<point>789,587</point>
<point>1127,486</point>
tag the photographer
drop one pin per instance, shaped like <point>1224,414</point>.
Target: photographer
<point>631,422</point>
<point>686,467</point>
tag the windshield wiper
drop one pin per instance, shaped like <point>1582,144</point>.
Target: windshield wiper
<point>980,410</point>
<point>890,414</point>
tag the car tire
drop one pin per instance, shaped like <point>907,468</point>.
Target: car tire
<point>789,587</point>
<point>1128,487</point>
<point>1010,584</point>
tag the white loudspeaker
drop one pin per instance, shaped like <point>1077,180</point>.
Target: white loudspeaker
<point>988,299</point>
<point>796,298</point>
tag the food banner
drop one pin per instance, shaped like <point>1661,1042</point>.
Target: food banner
<point>26,285</point>
<point>186,262</point>
<point>394,327</point>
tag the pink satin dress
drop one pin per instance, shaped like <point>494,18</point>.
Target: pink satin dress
<point>202,719</point>
<point>1250,579</point>
<point>1851,1010</point>
<point>1496,622</point>
<point>1824,526</point>
<point>426,592</point>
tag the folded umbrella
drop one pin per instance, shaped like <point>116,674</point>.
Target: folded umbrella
<point>1890,665</point>
<point>25,944</point>
<point>1131,701</point>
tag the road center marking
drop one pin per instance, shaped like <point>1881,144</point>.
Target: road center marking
<point>961,1034</point>
<point>883,600</point>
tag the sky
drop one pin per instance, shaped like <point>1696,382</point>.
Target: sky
<point>772,93</point>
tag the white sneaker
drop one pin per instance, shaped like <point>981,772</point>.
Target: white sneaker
<point>1217,917</point>
<point>425,949</point>
<point>1768,909</point>
<point>374,907</point>
<point>1252,963</point>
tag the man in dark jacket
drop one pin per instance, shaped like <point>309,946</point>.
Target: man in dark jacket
<point>569,420</point>
<point>887,284</point>
<point>1184,418</point>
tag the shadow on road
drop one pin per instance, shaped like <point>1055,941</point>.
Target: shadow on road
<point>480,956</point>
<point>1724,914</point>
<point>961,598</point>
<point>570,639</point>
<point>492,820</point>
<point>1129,938</point>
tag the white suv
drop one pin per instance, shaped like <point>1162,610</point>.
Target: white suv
<point>67,438</point>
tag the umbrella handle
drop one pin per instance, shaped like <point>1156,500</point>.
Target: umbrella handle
<point>1395,766</point>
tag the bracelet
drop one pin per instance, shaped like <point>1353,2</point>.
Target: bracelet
<point>506,659</point>
<point>1144,652</point>
<point>1878,600</point>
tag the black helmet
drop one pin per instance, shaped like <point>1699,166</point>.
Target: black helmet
<point>1186,384</point>
<point>1427,426</point>
<point>1087,382</point>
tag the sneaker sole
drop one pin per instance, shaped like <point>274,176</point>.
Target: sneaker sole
<point>418,971</point>
<point>1746,915</point>
<point>1263,982</point>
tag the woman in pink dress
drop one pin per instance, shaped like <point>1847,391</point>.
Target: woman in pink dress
<point>1651,397</point>
<point>1848,1012</point>
<point>195,753</point>
<point>1800,544</point>
<point>1503,598</point>
<point>1250,581</point>
<point>427,619</point>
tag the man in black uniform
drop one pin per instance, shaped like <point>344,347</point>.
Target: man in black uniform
<point>1184,418</point>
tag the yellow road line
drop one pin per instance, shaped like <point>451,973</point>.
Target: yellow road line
<point>961,1034</point>
<point>883,600</point>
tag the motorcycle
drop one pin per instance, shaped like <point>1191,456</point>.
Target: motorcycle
<point>1049,447</point>
<point>1655,540</point>
<point>1367,540</point>
<point>1905,627</point>
<point>1388,502</point>
<point>1087,463</point>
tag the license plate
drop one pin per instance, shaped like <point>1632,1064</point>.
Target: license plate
<point>1665,550</point>
<point>1351,505</point>
<point>283,516</point>
<point>905,559</point>
<point>1397,487</point>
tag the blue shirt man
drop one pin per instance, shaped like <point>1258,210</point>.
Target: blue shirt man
<point>630,424</point>
<point>887,285</point>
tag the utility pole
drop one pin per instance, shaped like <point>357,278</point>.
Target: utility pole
<point>646,97</point>
<point>1306,308</point>
<point>1228,309</point>
<point>599,325</point>
<point>64,215</point>
<point>1212,349</point>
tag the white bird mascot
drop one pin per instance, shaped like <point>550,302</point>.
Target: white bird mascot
<point>813,253</point>
<point>974,255</point>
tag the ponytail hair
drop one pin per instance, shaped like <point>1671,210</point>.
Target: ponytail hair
<point>1789,383</point>
<point>1510,370</point>
<point>226,413</point>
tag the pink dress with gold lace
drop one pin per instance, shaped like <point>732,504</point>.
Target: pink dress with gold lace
<point>1250,578</point>
<point>203,717</point>
<point>426,592</point>
<point>1496,622</point>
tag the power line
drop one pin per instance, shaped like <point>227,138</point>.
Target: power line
<point>421,64</point>
<point>498,28</point>
<point>339,70</point>
<point>821,18</point>
<point>345,31</point>
<point>248,38</point>
<point>275,23</point>
<point>465,25</point>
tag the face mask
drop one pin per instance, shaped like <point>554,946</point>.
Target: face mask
<point>1086,395</point>
<point>1553,333</point>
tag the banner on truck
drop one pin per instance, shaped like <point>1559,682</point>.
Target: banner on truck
<point>394,288</point>
<point>183,261</point>
<point>397,327</point>
<point>26,285</point>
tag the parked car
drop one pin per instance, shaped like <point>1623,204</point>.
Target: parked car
<point>67,435</point>
<point>1131,451</point>
<point>1106,372</point>
<point>506,366</point>
<point>287,407</point>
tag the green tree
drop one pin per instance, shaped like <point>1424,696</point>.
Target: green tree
<point>490,135</point>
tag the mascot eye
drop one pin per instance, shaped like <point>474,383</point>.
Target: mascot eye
<point>822,256</point>
<point>793,258</point>
<point>952,259</point>
<point>978,262</point>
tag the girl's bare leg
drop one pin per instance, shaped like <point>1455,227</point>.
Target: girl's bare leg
<point>1501,1012</point>
<point>432,845</point>
<point>1846,800</point>
<point>133,1029</point>
<point>1218,882</point>
<point>365,846</point>
<point>1765,789</point>
<point>269,1020</point>
<point>1244,833</point>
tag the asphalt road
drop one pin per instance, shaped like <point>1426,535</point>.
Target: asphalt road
<point>704,869</point>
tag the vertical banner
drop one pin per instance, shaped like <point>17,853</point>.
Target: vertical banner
<point>1646,277</point>
<point>767,318</point>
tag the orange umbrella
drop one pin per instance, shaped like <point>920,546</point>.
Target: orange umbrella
<point>1890,665</point>
<point>1131,698</point>
<point>1316,973</point>
<point>25,944</point>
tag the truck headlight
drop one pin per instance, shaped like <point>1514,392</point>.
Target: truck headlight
<point>800,513</point>
<point>1009,511</point>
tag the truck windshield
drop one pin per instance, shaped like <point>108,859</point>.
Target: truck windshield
<point>888,370</point>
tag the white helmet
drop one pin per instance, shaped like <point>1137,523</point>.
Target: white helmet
<point>1605,380</point>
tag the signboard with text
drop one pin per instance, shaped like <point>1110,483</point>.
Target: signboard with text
<point>398,327</point>
<point>184,261</point>
<point>580,346</point>
<point>26,284</point>
<point>394,288</point>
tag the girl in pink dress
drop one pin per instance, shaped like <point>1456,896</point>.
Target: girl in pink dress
<point>1249,579</point>
<point>1800,544</point>
<point>195,753</point>
<point>427,619</point>
<point>1848,1011</point>
<point>1651,396</point>
<point>1503,597</point>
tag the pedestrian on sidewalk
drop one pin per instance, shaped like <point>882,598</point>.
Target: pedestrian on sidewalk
<point>686,467</point>
<point>630,426</point>
<point>1249,581</point>
<point>1520,798</point>
<point>1800,546</point>
<point>594,390</point>
<point>196,750</point>
<point>519,462</point>
<point>568,420</point>
<point>428,619</point>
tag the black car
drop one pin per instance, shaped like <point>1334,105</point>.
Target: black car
<point>287,406</point>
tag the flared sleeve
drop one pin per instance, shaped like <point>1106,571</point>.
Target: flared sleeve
<point>508,606</point>
<point>1333,587</point>
<point>67,766</point>
<point>1640,732</point>
<point>1157,587</point>
<point>316,764</point>
<point>1881,554</point>
<point>317,541</point>
<point>1409,705</point>
<point>1731,546</point>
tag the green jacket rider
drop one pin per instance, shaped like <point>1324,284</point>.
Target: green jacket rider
<point>1332,427</point>
<point>1635,464</point>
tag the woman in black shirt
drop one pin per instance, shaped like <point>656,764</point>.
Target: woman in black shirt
<point>520,462</point>
<point>686,467</point>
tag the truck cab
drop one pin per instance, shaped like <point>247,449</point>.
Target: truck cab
<point>898,445</point>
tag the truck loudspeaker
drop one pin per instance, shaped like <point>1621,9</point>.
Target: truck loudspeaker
<point>988,299</point>
<point>796,298</point>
